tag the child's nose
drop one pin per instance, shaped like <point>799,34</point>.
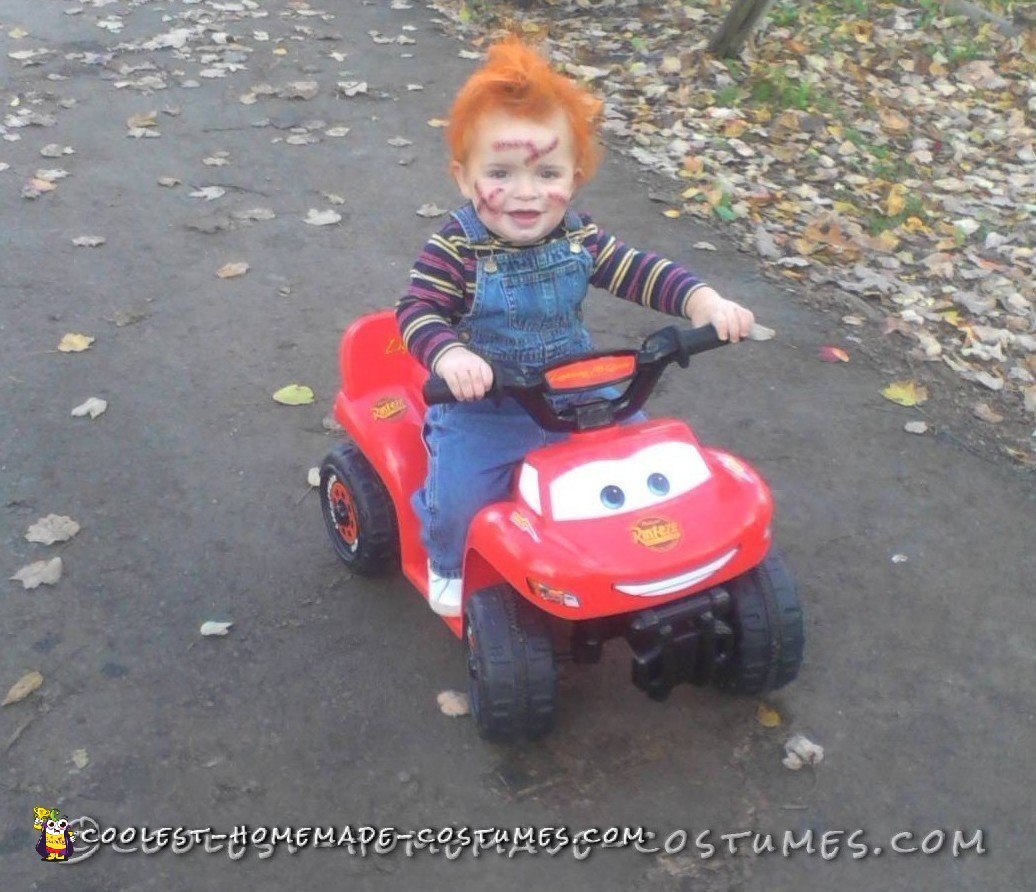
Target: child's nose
<point>528,188</point>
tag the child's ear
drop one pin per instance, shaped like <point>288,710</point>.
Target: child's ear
<point>577,177</point>
<point>461,178</point>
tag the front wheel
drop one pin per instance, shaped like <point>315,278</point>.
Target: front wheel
<point>358,512</point>
<point>768,635</point>
<point>512,678</point>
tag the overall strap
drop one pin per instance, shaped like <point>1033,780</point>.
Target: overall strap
<point>572,221</point>
<point>474,229</point>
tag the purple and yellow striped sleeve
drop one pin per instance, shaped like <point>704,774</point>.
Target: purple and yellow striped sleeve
<point>436,296</point>
<point>640,276</point>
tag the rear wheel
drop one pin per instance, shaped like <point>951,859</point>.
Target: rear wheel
<point>768,635</point>
<point>512,678</point>
<point>358,512</point>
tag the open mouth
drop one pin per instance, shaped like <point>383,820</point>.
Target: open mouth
<point>524,218</point>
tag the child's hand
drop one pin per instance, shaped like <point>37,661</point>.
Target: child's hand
<point>468,375</point>
<point>732,321</point>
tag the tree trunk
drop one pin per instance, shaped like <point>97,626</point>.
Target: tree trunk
<point>744,17</point>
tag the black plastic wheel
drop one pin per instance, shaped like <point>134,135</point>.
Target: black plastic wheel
<point>358,512</point>
<point>512,678</point>
<point>768,635</point>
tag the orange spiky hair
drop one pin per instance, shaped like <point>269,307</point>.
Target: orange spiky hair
<point>517,79</point>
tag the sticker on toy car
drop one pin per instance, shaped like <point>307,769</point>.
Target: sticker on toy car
<point>388,408</point>
<point>657,533</point>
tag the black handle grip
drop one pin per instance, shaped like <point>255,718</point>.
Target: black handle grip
<point>436,391</point>
<point>698,340</point>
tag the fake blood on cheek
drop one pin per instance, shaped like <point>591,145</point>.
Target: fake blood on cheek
<point>486,202</point>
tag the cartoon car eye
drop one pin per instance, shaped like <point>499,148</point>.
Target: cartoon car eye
<point>52,826</point>
<point>612,496</point>
<point>61,826</point>
<point>658,484</point>
<point>619,486</point>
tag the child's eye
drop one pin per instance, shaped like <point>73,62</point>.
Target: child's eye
<point>497,174</point>
<point>550,174</point>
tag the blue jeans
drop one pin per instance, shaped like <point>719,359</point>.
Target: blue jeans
<point>474,449</point>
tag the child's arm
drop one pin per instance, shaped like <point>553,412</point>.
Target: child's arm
<point>437,294</point>
<point>658,283</point>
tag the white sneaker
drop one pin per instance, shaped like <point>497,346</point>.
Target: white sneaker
<point>444,593</point>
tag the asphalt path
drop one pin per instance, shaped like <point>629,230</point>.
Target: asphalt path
<point>914,556</point>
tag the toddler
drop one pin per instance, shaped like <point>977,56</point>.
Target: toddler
<point>504,280</point>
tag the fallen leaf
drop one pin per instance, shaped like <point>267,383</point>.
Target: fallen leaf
<point>453,703</point>
<point>52,528</point>
<point>148,119</point>
<point>322,218</point>
<point>705,246</point>
<point>56,150</point>
<point>212,628</point>
<point>232,270</point>
<point>805,751</point>
<point>31,681</point>
<point>52,175</point>
<point>37,187</point>
<point>438,122</point>
<point>92,407</point>
<point>39,573</point>
<point>352,88</point>
<point>75,343</point>
<point>916,427</point>
<point>767,716</point>
<point>899,558</point>
<point>294,395</point>
<point>828,353</point>
<point>983,412</point>
<point>89,241</point>
<point>169,182</point>
<point>209,193</point>
<point>906,393</point>
<point>896,200</point>
<point>671,213</point>
<point>300,90</point>
<point>761,333</point>
<point>399,142</point>
<point>431,210</point>
<point>80,759</point>
<point>313,477</point>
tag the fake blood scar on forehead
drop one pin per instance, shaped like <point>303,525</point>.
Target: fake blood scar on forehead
<point>535,152</point>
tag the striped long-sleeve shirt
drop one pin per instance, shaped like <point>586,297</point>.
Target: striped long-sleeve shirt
<point>442,284</point>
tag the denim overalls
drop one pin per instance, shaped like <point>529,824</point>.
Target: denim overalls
<point>528,312</point>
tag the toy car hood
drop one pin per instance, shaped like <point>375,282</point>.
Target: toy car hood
<point>689,517</point>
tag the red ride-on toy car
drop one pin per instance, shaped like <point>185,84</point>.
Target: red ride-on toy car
<point>634,530</point>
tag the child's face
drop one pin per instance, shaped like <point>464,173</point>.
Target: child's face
<point>520,174</point>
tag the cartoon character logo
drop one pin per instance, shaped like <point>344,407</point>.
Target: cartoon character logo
<point>56,840</point>
<point>388,408</point>
<point>657,533</point>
